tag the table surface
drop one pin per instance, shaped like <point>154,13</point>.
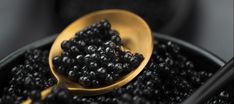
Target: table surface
<point>210,25</point>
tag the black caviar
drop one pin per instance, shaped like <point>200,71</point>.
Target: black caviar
<point>169,77</point>
<point>94,57</point>
<point>33,74</point>
<point>58,95</point>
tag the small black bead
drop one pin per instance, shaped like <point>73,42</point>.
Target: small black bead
<point>110,44</point>
<point>56,60</point>
<point>35,95</point>
<point>71,74</point>
<point>100,49</point>
<point>66,60</point>
<point>103,58</point>
<point>118,67</point>
<point>109,79</point>
<point>111,65</point>
<point>127,56</point>
<point>109,51</point>
<point>116,39</point>
<point>96,31</point>
<point>105,24</point>
<point>65,45</point>
<point>126,67</point>
<point>62,95</point>
<point>67,54</point>
<point>95,56</point>
<point>101,72</point>
<point>90,32</point>
<point>91,49</point>
<point>87,58</point>
<point>14,70</point>
<point>93,65</point>
<point>92,74</point>
<point>81,43</point>
<point>79,58</point>
<point>85,81</point>
<point>74,50</point>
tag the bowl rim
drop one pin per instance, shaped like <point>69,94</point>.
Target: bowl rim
<point>39,43</point>
<point>207,54</point>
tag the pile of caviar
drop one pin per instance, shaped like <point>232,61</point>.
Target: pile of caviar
<point>169,77</point>
<point>33,74</point>
<point>94,57</point>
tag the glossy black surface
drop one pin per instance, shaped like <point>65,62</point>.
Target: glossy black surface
<point>195,53</point>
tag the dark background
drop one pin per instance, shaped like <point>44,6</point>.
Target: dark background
<point>209,24</point>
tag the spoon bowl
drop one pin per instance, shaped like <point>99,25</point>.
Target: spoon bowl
<point>135,35</point>
<point>134,32</point>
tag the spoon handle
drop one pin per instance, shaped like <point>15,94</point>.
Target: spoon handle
<point>44,94</point>
<point>213,85</point>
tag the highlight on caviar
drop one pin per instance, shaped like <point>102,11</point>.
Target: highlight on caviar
<point>94,56</point>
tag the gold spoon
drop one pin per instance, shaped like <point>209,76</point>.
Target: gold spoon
<point>136,37</point>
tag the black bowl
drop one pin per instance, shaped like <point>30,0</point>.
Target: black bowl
<point>198,55</point>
